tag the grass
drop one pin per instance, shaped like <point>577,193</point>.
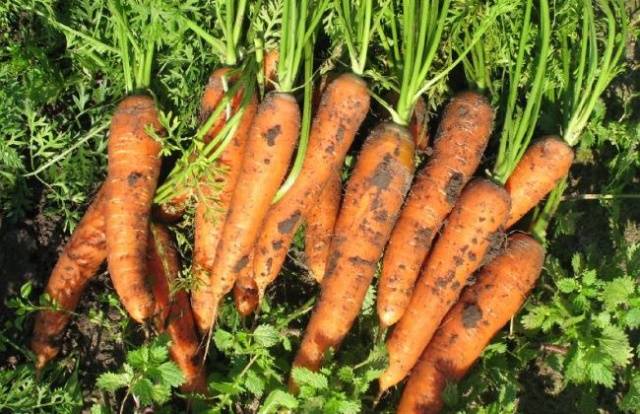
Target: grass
<point>575,347</point>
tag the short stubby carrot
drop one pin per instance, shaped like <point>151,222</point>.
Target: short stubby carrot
<point>320,221</point>
<point>133,169</point>
<point>219,82</point>
<point>173,311</point>
<point>344,105</point>
<point>78,263</point>
<point>457,151</point>
<point>484,308</point>
<point>271,141</point>
<point>373,198</point>
<point>270,68</point>
<point>543,165</point>
<point>215,192</point>
<point>472,228</point>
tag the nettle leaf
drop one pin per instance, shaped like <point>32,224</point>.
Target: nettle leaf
<point>304,376</point>
<point>111,382</point>
<point>266,335</point>
<point>171,374</point>
<point>618,291</point>
<point>615,343</point>
<point>536,317</point>
<point>599,368</point>
<point>346,374</point>
<point>567,285</point>
<point>632,318</point>
<point>348,407</point>
<point>143,390</point>
<point>253,383</point>
<point>278,399</point>
<point>631,400</point>
<point>223,339</point>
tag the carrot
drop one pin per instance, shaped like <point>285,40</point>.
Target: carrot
<point>270,68</point>
<point>215,194</point>
<point>320,222</point>
<point>344,105</point>
<point>373,198</point>
<point>461,139</point>
<point>173,209</point>
<point>483,309</point>
<point>133,169</point>
<point>272,138</point>
<point>245,291</point>
<point>176,317</point>
<point>542,166</point>
<point>418,125</point>
<point>471,228</point>
<point>78,263</point>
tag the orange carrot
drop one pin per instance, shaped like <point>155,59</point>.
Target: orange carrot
<point>544,164</point>
<point>320,222</point>
<point>461,139</point>
<point>173,311</point>
<point>173,209</point>
<point>215,194</point>
<point>418,125</point>
<point>471,228</point>
<point>245,291</point>
<point>133,169</point>
<point>344,105</point>
<point>373,199</point>
<point>483,309</point>
<point>270,68</point>
<point>272,139</point>
<point>78,263</point>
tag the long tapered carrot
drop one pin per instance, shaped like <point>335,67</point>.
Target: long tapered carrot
<point>78,263</point>
<point>372,201</point>
<point>484,308</point>
<point>173,312</point>
<point>542,166</point>
<point>320,222</point>
<point>133,169</point>
<point>459,144</point>
<point>477,218</point>
<point>215,195</point>
<point>272,138</point>
<point>214,91</point>
<point>344,105</point>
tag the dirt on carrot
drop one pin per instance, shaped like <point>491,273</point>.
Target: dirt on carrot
<point>484,308</point>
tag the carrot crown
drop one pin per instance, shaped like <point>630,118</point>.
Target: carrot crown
<point>590,57</point>
<point>519,121</point>
<point>414,42</point>
<point>353,27</point>
<point>299,21</point>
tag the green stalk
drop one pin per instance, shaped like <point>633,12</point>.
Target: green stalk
<point>519,126</point>
<point>594,72</point>
<point>356,27</point>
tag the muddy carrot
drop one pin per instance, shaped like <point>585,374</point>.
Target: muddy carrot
<point>372,201</point>
<point>133,169</point>
<point>342,109</point>
<point>173,311</point>
<point>484,308</point>
<point>78,263</point>
<point>459,144</point>
<point>475,224</point>
<point>215,193</point>
<point>542,166</point>
<point>245,291</point>
<point>418,125</point>
<point>320,222</point>
<point>270,145</point>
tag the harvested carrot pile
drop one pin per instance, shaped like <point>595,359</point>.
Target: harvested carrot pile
<point>321,206</point>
